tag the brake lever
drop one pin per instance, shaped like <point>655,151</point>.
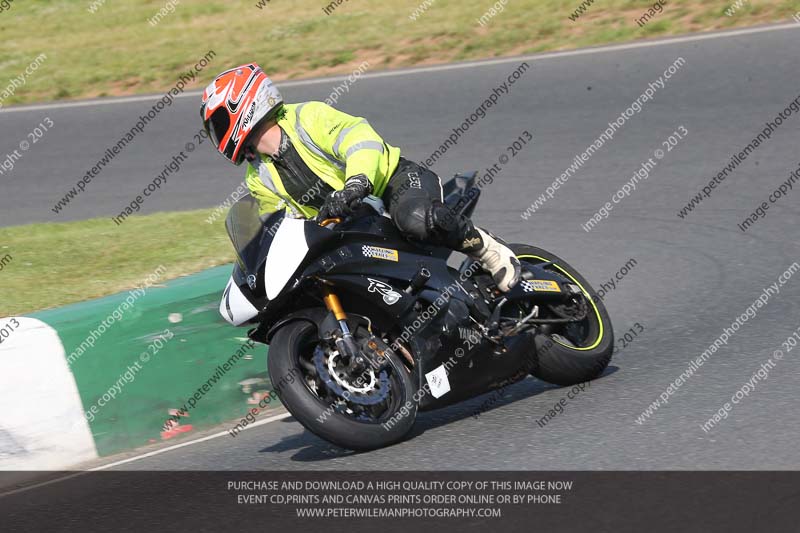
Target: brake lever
<point>329,221</point>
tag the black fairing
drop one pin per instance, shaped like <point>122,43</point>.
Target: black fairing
<point>344,258</point>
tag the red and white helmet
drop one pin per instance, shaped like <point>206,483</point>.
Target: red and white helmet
<point>235,105</point>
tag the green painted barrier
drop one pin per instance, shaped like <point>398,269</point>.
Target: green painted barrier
<point>161,348</point>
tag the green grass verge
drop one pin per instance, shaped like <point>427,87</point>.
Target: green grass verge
<point>58,264</point>
<point>115,51</point>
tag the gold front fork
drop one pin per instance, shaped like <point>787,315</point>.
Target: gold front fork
<point>333,304</point>
<point>347,344</point>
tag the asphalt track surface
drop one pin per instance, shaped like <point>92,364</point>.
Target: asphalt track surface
<point>693,277</point>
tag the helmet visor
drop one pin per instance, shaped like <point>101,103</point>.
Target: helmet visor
<point>218,125</point>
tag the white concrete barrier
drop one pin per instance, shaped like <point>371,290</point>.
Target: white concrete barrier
<point>42,426</point>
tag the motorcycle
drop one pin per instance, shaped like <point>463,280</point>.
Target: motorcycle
<point>366,328</point>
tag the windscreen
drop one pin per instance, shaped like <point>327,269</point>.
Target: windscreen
<point>247,233</point>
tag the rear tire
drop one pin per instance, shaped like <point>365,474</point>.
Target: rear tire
<point>284,360</point>
<point>557,362</point>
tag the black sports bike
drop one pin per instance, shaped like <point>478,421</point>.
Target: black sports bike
<point>365,327</point>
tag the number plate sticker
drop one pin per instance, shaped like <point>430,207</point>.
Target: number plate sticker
<point>438,382</point>
<point>540,285</point>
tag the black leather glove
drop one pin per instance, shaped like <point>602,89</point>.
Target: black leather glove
<point>343,203</point>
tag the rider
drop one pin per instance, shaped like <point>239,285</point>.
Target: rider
<point>311,159</point>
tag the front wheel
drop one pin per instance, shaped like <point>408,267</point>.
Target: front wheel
<point>365,409</point>
<point>578,351</point>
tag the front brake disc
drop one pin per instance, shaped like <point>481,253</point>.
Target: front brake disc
<point>378,393</point>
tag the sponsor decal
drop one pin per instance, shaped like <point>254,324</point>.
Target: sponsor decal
<point>542,285</point>
<point>376,252</point>
<point>249,116</point>
<point>267,96</point>
<point>390,296</point>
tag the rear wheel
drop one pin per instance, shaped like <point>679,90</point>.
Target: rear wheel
<point>576,351</point>
<point>359,410</point>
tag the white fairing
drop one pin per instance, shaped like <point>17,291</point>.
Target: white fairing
<point>235,307</point>
<point>289,248</point>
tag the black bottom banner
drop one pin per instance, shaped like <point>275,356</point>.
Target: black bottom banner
<point>395,501</point>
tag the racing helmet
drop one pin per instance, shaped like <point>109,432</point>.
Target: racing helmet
<point>235,105</point>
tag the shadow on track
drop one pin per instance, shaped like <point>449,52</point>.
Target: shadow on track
<point>311,448</point>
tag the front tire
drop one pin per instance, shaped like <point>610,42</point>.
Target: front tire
<point>293,342</point>
<point>567,363</point>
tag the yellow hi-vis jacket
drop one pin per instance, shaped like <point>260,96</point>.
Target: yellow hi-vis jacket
<point>334,145</point>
